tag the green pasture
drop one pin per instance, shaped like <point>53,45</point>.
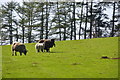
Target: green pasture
<point>69,59</point>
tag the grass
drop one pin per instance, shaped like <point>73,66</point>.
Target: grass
<point>69,59</point>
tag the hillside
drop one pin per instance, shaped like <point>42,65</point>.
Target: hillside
<point>69,59</point>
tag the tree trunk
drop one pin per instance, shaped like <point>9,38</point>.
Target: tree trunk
<point>98,27</point>
<point>17,36</point>
<point>91,18</point>
<point>10,27</point>
<point>71,33</point>
<point>30,26</point>
<point>23,28</point>
<point>74,20</point>
<point>11,35</point>
<point>46,20</point>
<point>42,29</point>
<point>112,33</point>
<point>59,23</point>
<point>29,34</point>
<point>64,38</point>
<point>23,32</point>
<point>71,26</point>
<point>86,20</point>
<point>81,20</point>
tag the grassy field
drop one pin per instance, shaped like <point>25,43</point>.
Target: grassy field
<point>69,59</point>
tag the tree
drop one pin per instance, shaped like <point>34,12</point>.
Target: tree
<point>1,37</point>
<point>20,10</point>
<point>34,18</point>
<point>91,22</point>
<point>7,11</point>
<point>100,20</point>
<point>31,21</point>
<point>59,21</point>
<point>86,20</point>
<point>113,21</point>
<point>71,22</point>
<point>47,15</point>
<point>81,18</point>
<point>74,20</point>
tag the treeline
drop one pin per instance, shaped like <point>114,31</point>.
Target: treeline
<point>30,21</point>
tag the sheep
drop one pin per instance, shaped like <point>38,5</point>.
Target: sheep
<point>41,41</point>
<point>47,44</point>
<point>18,47</point>
<point>39,46</point>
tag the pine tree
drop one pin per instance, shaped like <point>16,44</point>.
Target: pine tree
<point>7,11</point>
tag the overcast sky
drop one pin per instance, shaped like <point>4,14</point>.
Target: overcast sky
<point>108,11</point>
<point>2,1</point>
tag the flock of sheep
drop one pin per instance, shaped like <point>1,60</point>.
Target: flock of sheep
<point>41,45</point>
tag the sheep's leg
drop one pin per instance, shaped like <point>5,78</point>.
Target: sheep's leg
<point>15,53</point>
<point>35,49</point>
<point>12,53</point>
<point>48,50</point>
<point>20,53</point>
<point>38,50</point>
<point>42,50</point>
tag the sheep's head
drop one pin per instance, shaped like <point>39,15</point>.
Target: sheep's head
<point>53,41</point>
<point>25,51</point>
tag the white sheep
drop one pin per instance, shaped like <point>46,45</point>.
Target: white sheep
<point>39,46</point>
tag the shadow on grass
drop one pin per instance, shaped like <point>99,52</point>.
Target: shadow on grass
<point>55,52</point>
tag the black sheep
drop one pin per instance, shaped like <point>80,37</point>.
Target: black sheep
<point>18,47</point>
<point>49,44</point>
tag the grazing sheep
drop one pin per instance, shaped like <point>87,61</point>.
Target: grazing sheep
<point>47,44</point>
<point>41,41</point>
<point>39,46</point>
<point>18,47</point>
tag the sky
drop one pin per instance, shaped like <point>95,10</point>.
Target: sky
<point>108,11</point>
<point>2,1</point>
